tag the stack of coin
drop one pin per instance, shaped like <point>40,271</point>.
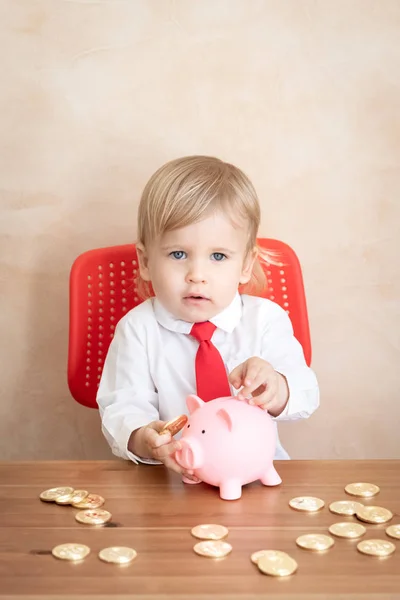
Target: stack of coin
<point>69,496</point>
<point>53,494</point>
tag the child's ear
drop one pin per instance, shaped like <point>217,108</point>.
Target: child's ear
<point>248,266</point>
<point>143,260</point>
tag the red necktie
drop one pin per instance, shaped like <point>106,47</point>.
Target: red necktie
<point>211,378</point>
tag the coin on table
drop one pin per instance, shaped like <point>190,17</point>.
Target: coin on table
<point>93,516</point>
<point>345,507</point>
<point>364,490</point>
<point>347,530</point>
<point>52,494</point>
<point>71,551</point>
<point>91,501</point>
<point>307,503</point>
<point>79,496</point>
<point>315,541</point>
<point>118,554</point>
<point>213,548</point>
<point>175,425</point>
<point>394,531</point>
<point>255,557</point>
<point>64,499</point>
<point>276,563</point>
<point>210,532</point>
<point>376,547</point>
<point>374,514</point>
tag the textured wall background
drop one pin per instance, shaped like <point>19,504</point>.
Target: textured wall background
<point>304,95</point>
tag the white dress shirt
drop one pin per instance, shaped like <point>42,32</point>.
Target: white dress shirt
<point>150,366</point>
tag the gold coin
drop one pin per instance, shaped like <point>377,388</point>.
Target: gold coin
<point>374,514</point>
<point>79,496</point>
<point>91,501</point>
<point>345,507</point>
<point>213,548</point>
<point>315,541</point>
<point>364,490</point>
<point>394,531</point>
<point>209,532</point>
<point>276,563</point>
<point>52,494</point>
<point>376,547</point>
<point>175,425</point>
<point>307,503</point>
<point>71,551</point>
<point>64,499</point>
<point>347,530</point>
<point>93,516</point>
<point>118,554</point>
<point>255,557</point>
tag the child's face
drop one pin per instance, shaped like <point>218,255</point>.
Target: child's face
<point>195,271</point>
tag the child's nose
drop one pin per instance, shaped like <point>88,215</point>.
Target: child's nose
<point>195,274</point>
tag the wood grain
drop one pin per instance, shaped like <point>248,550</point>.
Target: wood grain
<point>153,512</point>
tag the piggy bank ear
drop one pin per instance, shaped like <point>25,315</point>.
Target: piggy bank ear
<point>193,403</point>
<point>226,417</point>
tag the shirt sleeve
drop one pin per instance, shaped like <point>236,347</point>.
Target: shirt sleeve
<point>127,397</point>
<point>285,353</point>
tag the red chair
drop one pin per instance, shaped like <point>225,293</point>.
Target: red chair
<point>102,290</point>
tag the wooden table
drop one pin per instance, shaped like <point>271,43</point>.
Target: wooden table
<point>153,512</point>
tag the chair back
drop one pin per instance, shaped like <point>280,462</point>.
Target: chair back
<point>103,289</point>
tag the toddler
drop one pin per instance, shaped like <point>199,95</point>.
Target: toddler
<point>197,227</point>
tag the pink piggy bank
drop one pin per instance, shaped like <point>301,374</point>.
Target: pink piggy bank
<point>228,443</point>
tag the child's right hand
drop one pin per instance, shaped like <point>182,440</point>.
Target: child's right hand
<point>148,443</point>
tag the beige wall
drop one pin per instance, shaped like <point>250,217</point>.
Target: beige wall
<point>304,95</point>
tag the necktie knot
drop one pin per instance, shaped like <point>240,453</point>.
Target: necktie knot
<point>203,332</point>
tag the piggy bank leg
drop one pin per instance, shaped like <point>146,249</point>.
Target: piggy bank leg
<point>271,477</point>
<point>230,490</point>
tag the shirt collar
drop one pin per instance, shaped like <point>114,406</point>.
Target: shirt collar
<point>226,320</point>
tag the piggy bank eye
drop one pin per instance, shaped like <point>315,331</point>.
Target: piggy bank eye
<point>188,426</point>
<point>203,431</point>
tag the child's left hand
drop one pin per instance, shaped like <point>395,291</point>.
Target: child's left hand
<point>268,388</point>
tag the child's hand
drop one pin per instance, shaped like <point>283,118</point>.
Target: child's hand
<point>268,388</point>
<point>148,443</point>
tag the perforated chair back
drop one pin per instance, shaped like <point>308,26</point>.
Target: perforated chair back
<point>102,290</point>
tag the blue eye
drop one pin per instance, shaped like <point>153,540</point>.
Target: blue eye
<point>178,254</point>
<point>218,256</point>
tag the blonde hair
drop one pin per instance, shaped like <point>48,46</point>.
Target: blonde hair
<point>183,191</point>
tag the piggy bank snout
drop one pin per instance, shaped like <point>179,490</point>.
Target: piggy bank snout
<point>190,456</point>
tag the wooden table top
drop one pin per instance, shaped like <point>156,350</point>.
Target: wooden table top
<point>154,512</point>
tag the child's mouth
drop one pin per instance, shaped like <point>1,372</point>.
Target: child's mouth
<point>195,299</point>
